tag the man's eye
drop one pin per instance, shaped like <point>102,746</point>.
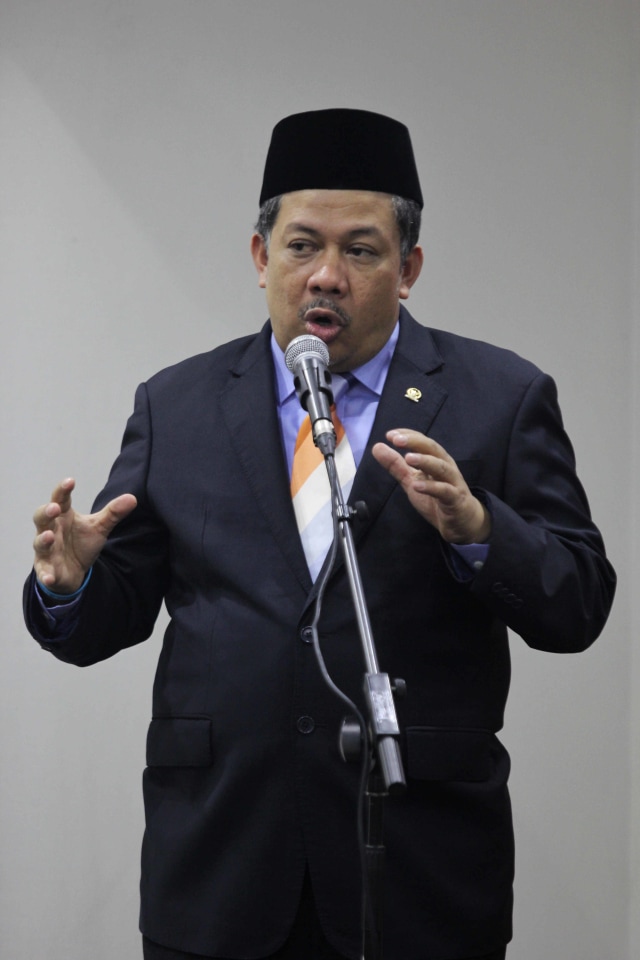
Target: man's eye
<point>361,253</point>
<point>300,246</point>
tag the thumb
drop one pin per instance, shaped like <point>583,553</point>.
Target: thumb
<point>115,511</point>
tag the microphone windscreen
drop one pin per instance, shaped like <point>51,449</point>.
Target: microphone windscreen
<point>306,345</point>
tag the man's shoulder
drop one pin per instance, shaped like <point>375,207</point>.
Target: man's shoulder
<point>458,348</point>
<point>458,354</point>
<point>212,366</point>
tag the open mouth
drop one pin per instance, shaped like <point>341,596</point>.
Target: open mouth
<point>324,320</point>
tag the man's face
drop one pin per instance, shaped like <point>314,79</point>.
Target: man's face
<point>333,270</point>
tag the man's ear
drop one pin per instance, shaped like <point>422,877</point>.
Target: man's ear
<point>260,258</point>
<point>410,272</point>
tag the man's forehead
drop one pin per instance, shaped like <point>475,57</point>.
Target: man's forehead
<point>331,203</point>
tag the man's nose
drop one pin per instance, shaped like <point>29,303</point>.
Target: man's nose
<point>329,275</point>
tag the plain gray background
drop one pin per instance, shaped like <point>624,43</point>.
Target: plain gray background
<point>133,136</point>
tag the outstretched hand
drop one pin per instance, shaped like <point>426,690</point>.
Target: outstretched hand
<point>67,543</point>
<point>434,485</point>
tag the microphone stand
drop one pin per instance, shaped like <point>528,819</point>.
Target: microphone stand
<point>386,775</point>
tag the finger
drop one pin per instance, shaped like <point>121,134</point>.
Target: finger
<point>44,557</point>
<point>440,490</point>
<point>60,502</point>
<point>433,468</point>
<point>392,461</point>
<point>45,515</point>
<point>43,543</point>
<point>45,568</point>
<point>415,441</point>
<point>62,493</point>
<point>46,578</point>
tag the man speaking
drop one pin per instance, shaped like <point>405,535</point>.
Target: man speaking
<point>476,523</point>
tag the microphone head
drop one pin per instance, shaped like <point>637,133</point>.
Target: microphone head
<point>306,346</point>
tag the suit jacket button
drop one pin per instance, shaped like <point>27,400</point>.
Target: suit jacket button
<point>306,724</point>
<point>306,635</point>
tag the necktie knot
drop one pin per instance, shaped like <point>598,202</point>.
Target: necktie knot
<point>342,383</point>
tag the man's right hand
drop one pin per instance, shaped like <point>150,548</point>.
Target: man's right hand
<point>68,543</point>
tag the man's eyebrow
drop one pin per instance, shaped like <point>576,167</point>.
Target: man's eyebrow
<point>364,231</point>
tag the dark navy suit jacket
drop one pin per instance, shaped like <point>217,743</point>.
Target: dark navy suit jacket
<point>244,783</point>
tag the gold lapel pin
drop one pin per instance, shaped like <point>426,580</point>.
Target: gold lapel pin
<point>413,394</point>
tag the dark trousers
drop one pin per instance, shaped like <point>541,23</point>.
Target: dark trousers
<point>294,949</point>
<point>305,942</point>
<point>289,952</point>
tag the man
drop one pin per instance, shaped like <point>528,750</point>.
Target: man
<point>476,522</point>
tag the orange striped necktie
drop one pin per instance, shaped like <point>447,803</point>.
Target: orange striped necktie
<point>311,492</point>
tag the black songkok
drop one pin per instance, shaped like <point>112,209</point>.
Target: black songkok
<point>341,150</point>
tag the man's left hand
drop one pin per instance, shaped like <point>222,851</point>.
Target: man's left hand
<point>434,485</point>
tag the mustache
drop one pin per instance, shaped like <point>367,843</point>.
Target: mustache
<point>323,303</point>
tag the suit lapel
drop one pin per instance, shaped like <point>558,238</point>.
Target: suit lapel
<point>250,410</point>
<point>411,398</point>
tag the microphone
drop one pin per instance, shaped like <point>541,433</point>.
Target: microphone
<point>307,358</point>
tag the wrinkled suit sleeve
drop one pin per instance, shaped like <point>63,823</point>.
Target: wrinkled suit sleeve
<point>546,576</point>
<point>121,602</point>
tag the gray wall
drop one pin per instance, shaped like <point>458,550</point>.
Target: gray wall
<point>133,136</point>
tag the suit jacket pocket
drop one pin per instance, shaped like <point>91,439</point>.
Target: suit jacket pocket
<point>179,742</point>
<point>440,753</point>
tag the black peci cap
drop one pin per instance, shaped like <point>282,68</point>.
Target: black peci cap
<point>341,149</point>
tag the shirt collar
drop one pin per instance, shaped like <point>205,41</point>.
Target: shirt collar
<point>371,374</point>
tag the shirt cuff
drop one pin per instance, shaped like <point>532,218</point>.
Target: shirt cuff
<point>58,618</point>
<point>64,598</point>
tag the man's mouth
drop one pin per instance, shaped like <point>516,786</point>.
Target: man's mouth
<point>324,320</point>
